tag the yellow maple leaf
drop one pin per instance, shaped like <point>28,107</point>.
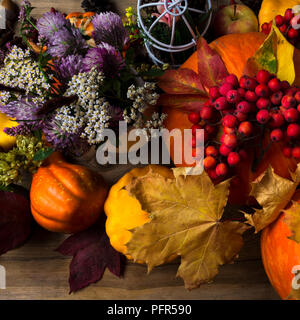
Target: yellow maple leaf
<point>185,221</point>
<point>273,193</point>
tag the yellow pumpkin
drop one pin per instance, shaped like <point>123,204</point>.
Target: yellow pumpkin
<point>271,8</point>
<point>6,141</point>
<point>123,211</point>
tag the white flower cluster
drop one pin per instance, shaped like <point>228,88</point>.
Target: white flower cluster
<point>90,113</point>
<point>142,98</point>
<point>21,71</point>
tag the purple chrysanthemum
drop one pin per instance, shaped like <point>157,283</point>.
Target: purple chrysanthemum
<point>63,141</point>
<point>50,23</point>
<point>20,130</point>
<point>109,28</point>
<point>70,65</point>
<point>23,110</point>
<point>67,42</point>
<point>106,58</point>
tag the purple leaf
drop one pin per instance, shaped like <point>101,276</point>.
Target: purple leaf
<point>15,220</point>
<point>92,254</point>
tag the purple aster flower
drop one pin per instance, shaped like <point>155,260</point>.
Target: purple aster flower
<point>106,58</point>
<point>109,28</point>
<point>63,141</point>
<point>21,129</point>
<point>23,110</point>
<point>70,65</point>
<point>50,23</point>
<point>67,42</point>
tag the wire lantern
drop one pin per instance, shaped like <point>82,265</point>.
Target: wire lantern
<point>171,11</point>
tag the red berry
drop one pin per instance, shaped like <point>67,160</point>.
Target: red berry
<point>248,83</point>
<point>225,87</point>
<point>298,108</point>
<point>285,84</point>
<point>291,115</point>
<point>262,90</point>
<point>232,96</point>
<point>291,91</point>
<point>263,76</point>
<point>233,80</point>
<point>296,152</point>
<point>283,29</point>
<point>229,130</point>
<point>206,113</point>
<point>211,151</point>
<point>244,106</point>
<point>276,120</point>
<point>288,102</point>
<point>263,103</point>
<point>210,129</point>
<point>245,128</point>
<point>240,115</point>
<point>276,98</point>
<point>288,15</point>
<point>195,127</point>
<point>276,135</point>
<point>251,96</point>
<point>265,28</point>
<point>287,152</point>
<point>221,103</point>
<point>263,116</point>
<point>194,117</point>
<point>230,140</point>
<point>212,174</point>
<point>221,170</point>
<point>293,130</point>
<point>279,20</point>
<point>293,33</point>
<point>229,121</point>
<point>224,151</point>
<point>297,96</point>
<point>214,92</point>
<point>233,159</point>
<point>274,84</point>
<point>209,163</point>
<point>241,92</point>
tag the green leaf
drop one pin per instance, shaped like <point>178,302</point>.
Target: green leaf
<point>38,134</point>
<point>152,73</point>
<point>43,154</point>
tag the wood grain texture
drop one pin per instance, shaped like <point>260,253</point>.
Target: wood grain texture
<point>36,271</point>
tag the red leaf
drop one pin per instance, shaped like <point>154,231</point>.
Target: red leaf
<point>211,68</point>
<point>181,81</point>
<point>15,220</point>
<point>92,254</point>
<point>185,102</point>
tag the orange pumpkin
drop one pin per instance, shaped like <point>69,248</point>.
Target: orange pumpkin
<point>235,50</point>
<point>66,197</point>
<point>280,254</point>
<point>82,21</point>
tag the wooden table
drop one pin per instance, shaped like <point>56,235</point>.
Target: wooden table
<point>36,271</point>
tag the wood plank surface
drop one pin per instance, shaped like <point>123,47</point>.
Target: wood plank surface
<point>36,271</point>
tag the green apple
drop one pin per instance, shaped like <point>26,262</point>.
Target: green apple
<point>235,18</point>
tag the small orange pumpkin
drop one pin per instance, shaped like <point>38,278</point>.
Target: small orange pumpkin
<point>82,21</point>
<point>280,254</point>
<point>66,197</point>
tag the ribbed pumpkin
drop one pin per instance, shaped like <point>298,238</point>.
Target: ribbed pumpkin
<point>82,21</point>
<point>271,8</point>
<point>280,254</point>
<point>123,211</point>
<point>66,197</point>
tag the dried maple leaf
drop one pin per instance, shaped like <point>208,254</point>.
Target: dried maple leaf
<point>15,220</point>
<point>185,221</point>
<point>92,254</point>
<point>273,193</point>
